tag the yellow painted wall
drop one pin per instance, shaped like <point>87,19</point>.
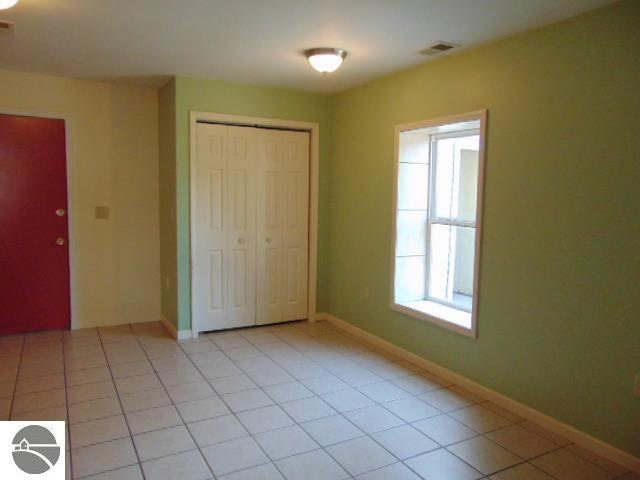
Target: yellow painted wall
<point>113,146</point>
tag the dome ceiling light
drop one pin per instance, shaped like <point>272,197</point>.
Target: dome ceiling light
<point>4,4</point>
<point>325,60</point>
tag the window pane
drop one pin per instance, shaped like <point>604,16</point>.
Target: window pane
<point>414,147</point>
<point>451,264</point>
<point>410,279</point>
<point>456,178</point>
<point>411,233</point>
<point>413,185</point>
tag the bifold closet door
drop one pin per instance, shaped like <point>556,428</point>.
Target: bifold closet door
<point>283,226</point>
<point>224,227</point>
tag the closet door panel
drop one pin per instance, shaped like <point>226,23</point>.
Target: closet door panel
<point>283,194</point>
<point>270,205</point>
<point>296,228</point>
<point>240,240</point>
<point>209,258</point>
<point>216,281</point>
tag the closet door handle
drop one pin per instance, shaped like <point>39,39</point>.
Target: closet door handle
<point>268,239</point>
<point>241,241</point>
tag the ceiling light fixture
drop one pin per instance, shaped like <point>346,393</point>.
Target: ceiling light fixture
<point>4,4</point>
<point>325,60</point>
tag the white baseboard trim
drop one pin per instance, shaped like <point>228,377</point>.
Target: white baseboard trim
<point>556,426</point>
<point>175,333</point>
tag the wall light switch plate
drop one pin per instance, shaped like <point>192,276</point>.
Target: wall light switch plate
<point>102,213</point>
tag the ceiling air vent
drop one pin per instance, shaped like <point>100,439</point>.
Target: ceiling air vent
<point>7,27</point>
<point>438,47</point>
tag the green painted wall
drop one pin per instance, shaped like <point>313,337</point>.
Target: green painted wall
<point>559,303</point>
<point>167,177</point>
<point>560,266</point>
<point>222,97</point>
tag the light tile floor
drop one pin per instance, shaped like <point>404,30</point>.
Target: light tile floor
<point>294,401</point>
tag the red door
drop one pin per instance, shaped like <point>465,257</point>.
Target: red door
<point>34,252</point>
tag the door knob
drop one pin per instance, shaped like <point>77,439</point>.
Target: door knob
<point>268,239</point>
<point>60,212</point>
<point>241,241</point>
<point>60,241</point>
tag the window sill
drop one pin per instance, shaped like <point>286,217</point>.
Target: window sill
<point>448,317</point>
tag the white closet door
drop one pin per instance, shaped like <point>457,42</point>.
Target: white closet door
<point>270,258</point>
<point>224,230</point>
<point>241,231</point>
<point>283,226</point>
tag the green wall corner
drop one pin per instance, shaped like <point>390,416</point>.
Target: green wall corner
<point>167,178</point>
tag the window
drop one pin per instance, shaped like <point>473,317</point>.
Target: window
<point>437,220</point>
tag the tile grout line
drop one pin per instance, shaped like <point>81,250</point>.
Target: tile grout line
<point>409,395</point>
<point>231,410</point>
<point>375,403</point>
<point>370,435</point>
<point>66,403</point>
<point>399,460</point>
<point>286,413</point>
<point>524,460</point>
<point>341,415</point>
<point>61,342</point>
<point>404,423</point>
<point>447,413</point>
<point>600,467</point>
<point>379,403</point>
<point>17,376</point>
<point>390,380</point>
<point>184,423</point>
<point>258,387</point>
<point>154,430</point>
<point>337,413</point>
<point>440,446</point>
<point>294,420</point>
<point>480,402</point>
<point>121,406</point>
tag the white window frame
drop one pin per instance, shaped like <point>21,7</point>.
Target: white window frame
<point>435,312</point>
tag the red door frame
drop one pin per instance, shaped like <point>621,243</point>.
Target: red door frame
<point>70,203</point>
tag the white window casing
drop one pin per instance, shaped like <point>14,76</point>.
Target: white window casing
<point>437,220</point>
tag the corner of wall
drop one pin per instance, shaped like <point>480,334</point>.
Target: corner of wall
<point>167,199</point>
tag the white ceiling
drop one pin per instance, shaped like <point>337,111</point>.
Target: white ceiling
<point>254,41</point>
